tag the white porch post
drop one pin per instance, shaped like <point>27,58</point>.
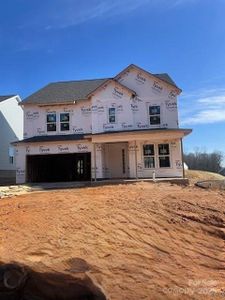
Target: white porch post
<point>135,153</point>
<point>94,156</point>
<point>182,156</point>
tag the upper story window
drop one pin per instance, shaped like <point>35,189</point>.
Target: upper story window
<point>64,121</point>
<point>154,115</point>
<point>51,122</point>
<point>112,115</point>
<point>164,155</point>
<point>149,156</point>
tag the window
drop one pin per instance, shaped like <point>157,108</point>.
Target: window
<point>154,115</point>
<point>11,155</point>
<point>80,167</point>
<point>149,156</point>
<point>64,121</point>
<point>51,122</point>
<point>164,155</point>
<point>112,115</point>
<point>123,161</point>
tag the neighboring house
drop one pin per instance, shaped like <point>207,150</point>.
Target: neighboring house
<point>121,127</point>
<point>11,129</point>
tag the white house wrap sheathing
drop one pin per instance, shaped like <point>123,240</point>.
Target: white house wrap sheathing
<point>90,117</point>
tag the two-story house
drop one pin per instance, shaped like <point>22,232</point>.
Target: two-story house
<point>11,129</point>
<point>120,127</point>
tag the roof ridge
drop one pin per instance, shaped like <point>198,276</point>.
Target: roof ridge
<point>65,81</point>
<point>7,96</point>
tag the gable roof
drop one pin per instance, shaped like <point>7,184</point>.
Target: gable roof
<point>69,91</point>
<point>64,92</point>
<point>117,83</point>
<point>3,98</point>
<point>162,76</point>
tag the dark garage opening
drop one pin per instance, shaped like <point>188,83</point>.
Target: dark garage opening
<point>59,167</point>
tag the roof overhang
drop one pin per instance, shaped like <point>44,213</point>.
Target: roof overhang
<point>140,135</point>
<point>53,139</point>
<point>112,136</point>
<point>72,102</point>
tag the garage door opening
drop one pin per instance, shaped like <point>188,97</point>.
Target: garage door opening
<point>59,167</point>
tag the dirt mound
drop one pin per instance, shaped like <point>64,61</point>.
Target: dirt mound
<point>141,241</point>
<point>197,176</point>
<point>211,184</point>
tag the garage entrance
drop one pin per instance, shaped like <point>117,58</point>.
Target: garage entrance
<point>59,167</point>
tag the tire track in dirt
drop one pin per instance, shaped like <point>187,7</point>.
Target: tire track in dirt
<point>139,239</point>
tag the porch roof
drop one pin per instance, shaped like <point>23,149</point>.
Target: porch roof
<point>131,135</point>
<point>52,138</point>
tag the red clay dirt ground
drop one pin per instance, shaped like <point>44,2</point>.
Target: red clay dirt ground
<point>140,240</point>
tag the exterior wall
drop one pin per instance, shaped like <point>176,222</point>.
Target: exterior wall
<point>103,159</point>
<point>175,170</point>
<point>35,118</point>
<point>133,112</point>
<point>88,116</point>
<point>11,124</point>
<point>151,91</point>
<point>46,148</point>
<point>113,95</point>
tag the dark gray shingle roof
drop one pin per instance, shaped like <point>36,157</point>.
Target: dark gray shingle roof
<point>70,91</point>
<point>64,92</point>
<point>165,77</point>
<point>52,138</point>
<point>3,98</point>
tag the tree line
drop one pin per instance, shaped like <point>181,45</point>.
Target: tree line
<point>201,160</point>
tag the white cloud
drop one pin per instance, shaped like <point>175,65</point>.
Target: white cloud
<point>72,14</point>
<point>206,117</point>
<point>213,100</point>
<point>68,13</point>
<point>203,107</point>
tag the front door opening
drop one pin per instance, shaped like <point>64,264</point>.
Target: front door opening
<point>116,160</point>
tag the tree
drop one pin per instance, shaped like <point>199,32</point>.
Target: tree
<point>204,161</point>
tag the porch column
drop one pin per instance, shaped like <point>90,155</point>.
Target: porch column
<point>182,156</point>
<point>94,156</point>
<point>135,155</point>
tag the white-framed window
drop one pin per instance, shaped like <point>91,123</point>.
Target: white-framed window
<point>11,155</point>
<point>164,155</point>
<point>51,121</point>
<point>64,121</point>
<point>112,115</point>
<point>154,115</point>
<point>149,156</point>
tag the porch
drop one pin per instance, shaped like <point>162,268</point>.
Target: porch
<point>138,154</point>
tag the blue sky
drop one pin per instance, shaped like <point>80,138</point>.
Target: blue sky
<point>53,40</point>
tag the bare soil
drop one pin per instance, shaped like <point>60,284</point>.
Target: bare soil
<point>197,175</point>
<point>140,241</point>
